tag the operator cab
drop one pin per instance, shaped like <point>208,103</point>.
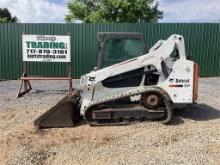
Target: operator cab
<point>116,47</point>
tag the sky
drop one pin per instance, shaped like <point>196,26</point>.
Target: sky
<point>53,11</point>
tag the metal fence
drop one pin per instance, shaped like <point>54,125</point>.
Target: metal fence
<point>202,42</point>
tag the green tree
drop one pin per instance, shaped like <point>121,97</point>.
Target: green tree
<point>5,16</point>
<point>130,11</point>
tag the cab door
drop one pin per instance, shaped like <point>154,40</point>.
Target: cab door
<point>119,50</point>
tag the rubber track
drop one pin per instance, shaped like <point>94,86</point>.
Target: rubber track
<point>137,91</point>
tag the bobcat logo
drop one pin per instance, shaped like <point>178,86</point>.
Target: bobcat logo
<point>171,80</point>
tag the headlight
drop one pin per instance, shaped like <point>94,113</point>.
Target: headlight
<point>82,80</point>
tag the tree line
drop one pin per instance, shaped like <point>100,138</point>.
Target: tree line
<point>103,11</point>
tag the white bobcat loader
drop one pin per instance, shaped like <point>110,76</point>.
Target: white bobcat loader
<point>129,84</point>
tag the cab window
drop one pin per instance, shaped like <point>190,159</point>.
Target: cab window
<point>118,50</point>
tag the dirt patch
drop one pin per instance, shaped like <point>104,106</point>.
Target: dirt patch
<point>193,137</point>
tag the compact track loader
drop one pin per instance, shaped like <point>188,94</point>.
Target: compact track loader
<point>130,83</point>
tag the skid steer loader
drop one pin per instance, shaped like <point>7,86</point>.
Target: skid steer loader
<point>129,84</point>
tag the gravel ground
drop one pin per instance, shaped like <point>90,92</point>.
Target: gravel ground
<point>193,137</point>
